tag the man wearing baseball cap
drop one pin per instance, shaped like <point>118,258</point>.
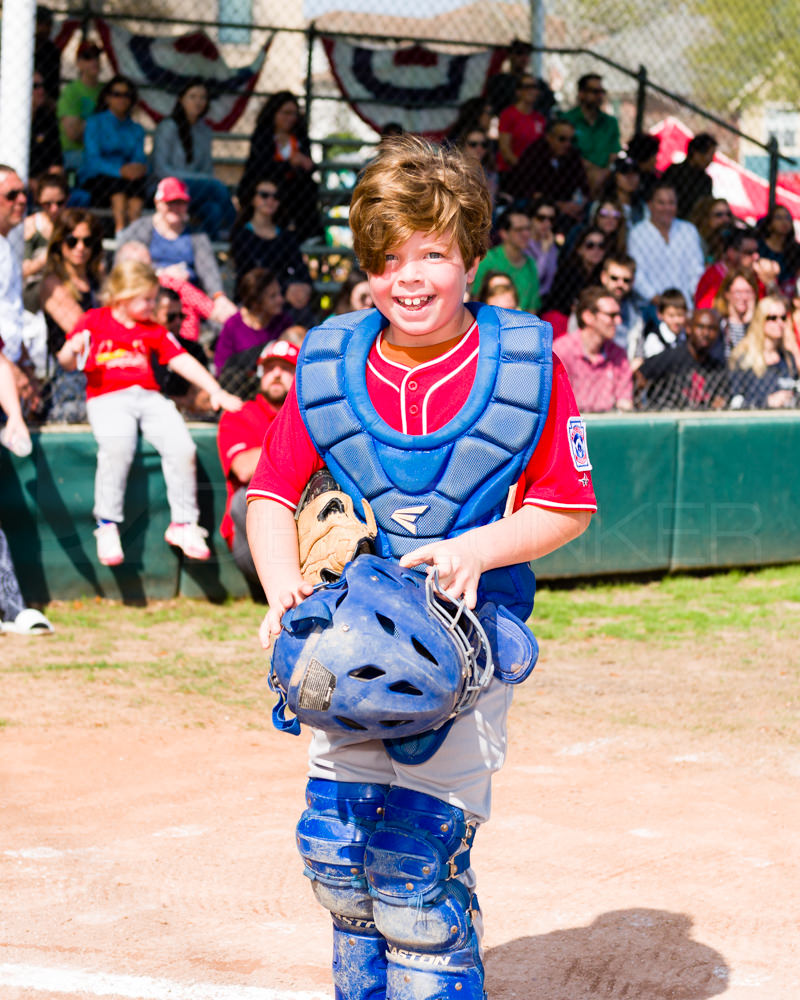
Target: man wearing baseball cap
<point>239,440</point>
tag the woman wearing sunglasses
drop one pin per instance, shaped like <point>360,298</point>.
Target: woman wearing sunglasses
<point>51,197</point>
<point>114,164</point>
<point>72,277</point>
<point>476,145</point>
<point>576,271</point>
<point>258,241</point>
<point>764,369</point>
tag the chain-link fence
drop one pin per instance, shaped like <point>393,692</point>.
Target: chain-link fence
<point>265,114</point>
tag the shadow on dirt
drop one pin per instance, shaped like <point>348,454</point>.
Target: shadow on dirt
<point>623,955</point>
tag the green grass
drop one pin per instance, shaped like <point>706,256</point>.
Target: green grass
<point>672,609</point>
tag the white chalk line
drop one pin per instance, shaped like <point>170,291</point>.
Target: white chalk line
<point>101,984</point>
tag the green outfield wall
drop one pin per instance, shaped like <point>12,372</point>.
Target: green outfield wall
<point>674,492</point>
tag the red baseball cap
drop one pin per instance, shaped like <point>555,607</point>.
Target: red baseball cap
<point>171,189</point>
<point>281,350</point>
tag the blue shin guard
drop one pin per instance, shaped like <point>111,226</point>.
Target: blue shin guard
<point>332,836</point>
<point>359,961</point>
<point>420,907</point>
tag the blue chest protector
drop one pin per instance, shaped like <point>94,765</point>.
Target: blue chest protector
<point>424,488</point>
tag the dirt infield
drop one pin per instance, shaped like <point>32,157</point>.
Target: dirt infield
<point>644,843</point>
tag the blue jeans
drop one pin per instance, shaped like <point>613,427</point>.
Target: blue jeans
<point>211,204</point>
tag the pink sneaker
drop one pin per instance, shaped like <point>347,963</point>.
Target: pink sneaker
<point>189,538</point>
<point>109,547</point>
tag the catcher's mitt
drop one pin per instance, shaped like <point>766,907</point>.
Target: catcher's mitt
<point>328,532</point>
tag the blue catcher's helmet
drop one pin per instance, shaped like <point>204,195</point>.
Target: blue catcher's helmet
<point>382,653</point>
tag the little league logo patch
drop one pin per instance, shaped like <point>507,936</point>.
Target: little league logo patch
<point>576,434</point>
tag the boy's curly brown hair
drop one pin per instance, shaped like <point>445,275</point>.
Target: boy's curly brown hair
<point>413,186</point>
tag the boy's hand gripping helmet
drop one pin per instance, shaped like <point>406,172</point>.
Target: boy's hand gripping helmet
<point>383,653</point>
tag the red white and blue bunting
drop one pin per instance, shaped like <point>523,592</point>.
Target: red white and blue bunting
<point>160,66</point>
<point>417,87</point>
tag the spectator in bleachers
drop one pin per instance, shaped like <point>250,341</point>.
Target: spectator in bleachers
<point>687,376</point>
<point>51,197</point>
<point>551,167</point>
<point>239,440</point>
<point>193,402</point>
<point>689,177</point>
<point>596,131</point>
<point>77,101</point>
<point>476,145</point>
<point>45,143</point>
<point>510,257</point>
<point>281,145</point>
<point>260,319</point>
<point>182,149</point>
<point>776,241</point>
<point>258,241</point>
<point>711,217</point>
<point>598,368</point>
<point>519,125</point>
<point>115,346</point>
<point>794,322</point>
<point>764,371</point>
<point>13,202</point>
<point>735,302</point>
<point>623,187</point>
<point>617,278</point>
<point>46,54</point>
<point>353,294</point>
<point>577,270</point>
<point>738,248</point>
<point>174,248</point>
<point>542,245</point>
<point>666,330</point>
<point>609,217</point>
<point>196,305</point>
<point>501,90</point>
<point>474,113</point>
<point>73,273</point>
<point>15,615</point>
<point>497,289</point>
<point>70,286</point>
<point>643,151</point>
<point>666,249</point>
<point>114,165</point>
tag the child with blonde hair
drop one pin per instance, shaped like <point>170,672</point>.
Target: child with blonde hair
<point>114,346</point>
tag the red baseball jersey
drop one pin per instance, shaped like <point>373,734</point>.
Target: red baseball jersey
<point>240,432</point>
<point>421,399</point>
<point>120,356</point>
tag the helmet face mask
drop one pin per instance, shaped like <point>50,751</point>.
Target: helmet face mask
<point>383,653</point>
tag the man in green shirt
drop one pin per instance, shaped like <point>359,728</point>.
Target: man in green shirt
<point>77,101</point>
<point>596,132</point>
<point>509,257</point>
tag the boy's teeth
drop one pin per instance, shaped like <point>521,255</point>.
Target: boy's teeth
<point>411,302</point>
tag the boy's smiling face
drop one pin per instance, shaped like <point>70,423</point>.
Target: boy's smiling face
<point>421,291</point>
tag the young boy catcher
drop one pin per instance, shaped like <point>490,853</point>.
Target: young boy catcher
<point>457,424</point>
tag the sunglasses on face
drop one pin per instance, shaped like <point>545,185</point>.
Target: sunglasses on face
<point>774,317</point>
<point>173,316</point>
<point>120,93</point>
<point>545,217</point>
<point>15,193</point>
<point>477,143</point>
<point>614,315</point>
<point>87,241</point>
<point>593,245</point>
<point>267,194</point>
<point>609,213</point>
<point>57,202</point>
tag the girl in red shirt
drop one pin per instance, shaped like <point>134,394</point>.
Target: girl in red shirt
<point>114,346</point>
